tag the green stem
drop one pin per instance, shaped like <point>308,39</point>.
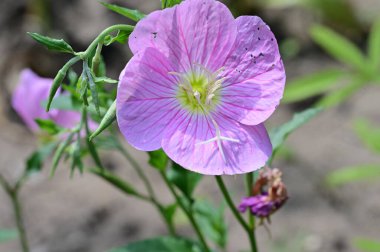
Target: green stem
<point>102,35</point>
<point>148,186</point>
<point>236,213</point>
<point>17,209</point>
<point>19,221</point>
<point>250,178</point>
<point>188,212</point>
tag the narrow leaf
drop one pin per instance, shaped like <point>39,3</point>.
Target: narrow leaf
<point>135,15</point>
<point>93,87</point>
<point>339,47</point>
<point>353,174</point>
<point>374,46</point>
<point>52,44</point>
<point>310,85</point>
<point>369,135</point>
<point>59,152</point>
<point>114,180</point>
<point>279,135</point>
<point>367,245</point>
<point>338,96</point>
<point>107,120</point>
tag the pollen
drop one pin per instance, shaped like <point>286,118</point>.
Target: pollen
<point>199,89</point>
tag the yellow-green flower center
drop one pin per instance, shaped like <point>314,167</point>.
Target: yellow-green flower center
<point>199,90</point>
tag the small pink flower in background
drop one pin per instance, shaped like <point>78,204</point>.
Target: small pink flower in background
<point>200,85</point>
<point>269,194</point>
<point>27,100</point>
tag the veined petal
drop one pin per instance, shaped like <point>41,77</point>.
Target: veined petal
<point>146,99</point>
<point>254,75</point>
<point>195,31</point>
<point>183,138</point>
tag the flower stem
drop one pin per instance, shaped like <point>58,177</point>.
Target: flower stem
<point>236,213</point>
<point>250,178</point>
<point>149,188</point>
<point>188,212</point>
<point>17,209</point>
<point>102,35</point>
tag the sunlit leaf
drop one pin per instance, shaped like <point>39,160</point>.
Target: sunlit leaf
<point>353,174</point>
<point>340,95</point>
<point>339,47</point>
<point>374,46</point>
<point>369,134</point>
<point>311,85</point>
<point>135,15</point>
<point>367,245</point>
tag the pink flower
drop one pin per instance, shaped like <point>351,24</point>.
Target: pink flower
<point>200,85</point>
<point>27,100</point>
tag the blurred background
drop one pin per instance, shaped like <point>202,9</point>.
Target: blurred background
<point>84,214</point>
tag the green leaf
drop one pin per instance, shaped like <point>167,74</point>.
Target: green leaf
<point>338,96</point>
<point>353,174</point>
<point>121,37</point>
<point>35,161</point>
<point>367,245</point>
<point>161,244</point>
<point>158,159</point>
<point>169,212</point>
<point>169,3</point>
<point>92,85</point>
<point>107,120</point>
<point>59,78</point>
<point>114,180</point>
<point>48,126</point>
<point>311,85</point>
<point>368,134</point>
<point>59,152</point>
<point>212,221</point>
<point>374,46</point>
<point>7,235</point>
<point>75,154</point>
<point>278,135</point>
<point>135,15</point>
<point>58,45</point>
<point>339,47</point>
<point>184,180</point>
<point>62,102</point>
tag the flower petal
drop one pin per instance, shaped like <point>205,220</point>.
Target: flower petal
<point>254,75</point>
<point>146,99</point>
<point>27,98</point>
<point>195,31</point>
<point>182,138</point>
